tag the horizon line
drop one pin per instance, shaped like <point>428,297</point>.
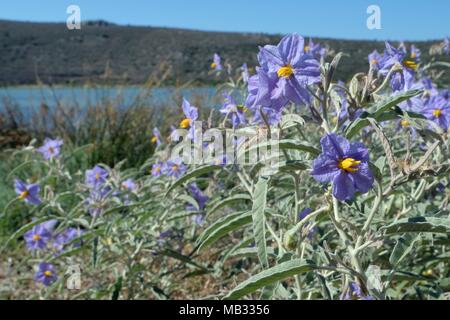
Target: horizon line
<point>219,31</point>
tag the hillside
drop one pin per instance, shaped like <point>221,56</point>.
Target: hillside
<point>102,52</point>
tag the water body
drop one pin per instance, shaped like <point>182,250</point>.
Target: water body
<point>28,98</point>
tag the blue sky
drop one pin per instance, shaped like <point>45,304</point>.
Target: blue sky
<point>400,19</point>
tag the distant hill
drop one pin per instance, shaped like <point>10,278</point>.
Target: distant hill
<point>102,52</point>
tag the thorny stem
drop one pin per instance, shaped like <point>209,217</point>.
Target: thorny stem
<point>395,68</point>
<point>370,217</point>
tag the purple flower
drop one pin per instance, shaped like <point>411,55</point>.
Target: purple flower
<point>375,60</point>
<point>399,56</point>
<point>302,215</point>
<point>66,237</point>
<point>46,274</point>
<point>129,185</point>
<point>51,148</point>
<point>355,293</point>
<point>38,237</point>
<point>344,164</point>
<point>163,237</point>
<point>233,110</point>
<point>245,73</point>
<point>191,114</point>
<point>260,88</point>
<point>446,45</point>
<point>293,68</point>
<point>437,109</point>
<point>27,192</point>
<point>216,64</point>
<point>315,49</point>
<point>198,195</point>
<point>415,53</point>
<point>96,201</point>
<point>157,169</point>
<point>96,176</point>
<point>174,168</point>
<point>156,138</point>
<point>198,219</point>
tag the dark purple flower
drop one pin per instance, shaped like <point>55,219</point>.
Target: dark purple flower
<point>355,293</point>
<point>96,176</point>
<point>27,192</point>
<point>162,238</point>
<point>46,274</point>
<point>51,148</point>
<point>344,164</point>
<point>38,237</point>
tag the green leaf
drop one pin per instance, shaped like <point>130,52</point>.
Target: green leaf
<point>188,199</point>
<point>293,165</point>
<point>402,248</point>
<point>296,145</point>
<point>192,174</point>
<point>419,224</point>
<point>222,228</point>
<point>268,276</point>
<point>381,111</point>
<point>259,219</point>
<point>178,256</point>
<point>228,201</point>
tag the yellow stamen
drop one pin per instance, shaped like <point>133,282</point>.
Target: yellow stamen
<point>213,65</point>
<point>175,167</point>
<point>242,108</point>
<point>24,194</point>
<point>410,64</point>
<point>348,164</point>
<point>306,48</point>
<point>374,61</point>
<point>97,176</point>
<point>413,55</point>
<point>36,237</point>
<point>285,71</point>
<point>428,272</point>
<point>154,139</point>
<point>334,120</point>
<point>404,123</point>
<point>48,273</point>
<point>437,113</point>
<point>158,169</point>
<point>185,123</point>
